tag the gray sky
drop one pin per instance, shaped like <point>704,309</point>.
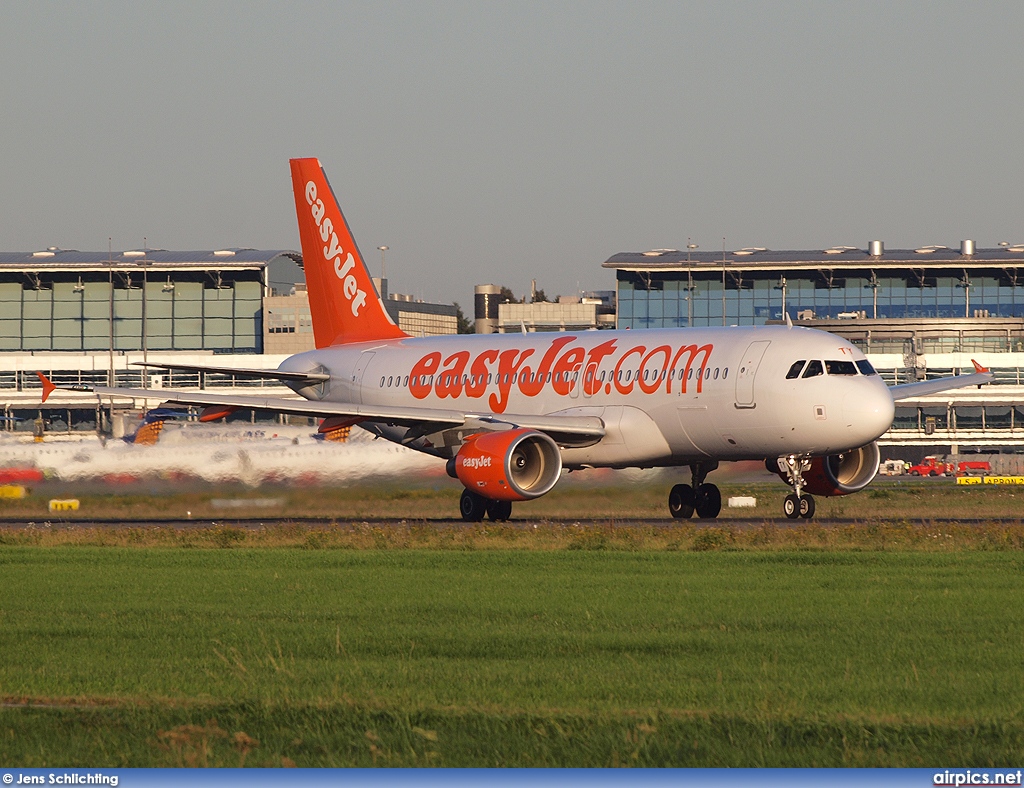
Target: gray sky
<point>499,142</point>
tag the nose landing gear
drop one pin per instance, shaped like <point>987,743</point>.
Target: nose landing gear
<point>796,504</point>
<point>700,497</point>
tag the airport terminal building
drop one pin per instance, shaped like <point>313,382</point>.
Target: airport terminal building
<point>92,317</point>
<point>916,313</point>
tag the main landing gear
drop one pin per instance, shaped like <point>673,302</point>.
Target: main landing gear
<point>796,504</point>
<point>700,497</point>
<point>474,507</point>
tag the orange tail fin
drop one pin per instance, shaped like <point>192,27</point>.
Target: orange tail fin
<point>344,304</point>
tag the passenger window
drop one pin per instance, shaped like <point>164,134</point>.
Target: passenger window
<point>840,368</point>
<point>865,367</point>
<point>725,373</point>
<point>794,371</point>
<point>814,368</point>
<point>716,373</point>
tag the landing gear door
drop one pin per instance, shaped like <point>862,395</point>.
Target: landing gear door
<point>357,374</point>
<point>747,370</point>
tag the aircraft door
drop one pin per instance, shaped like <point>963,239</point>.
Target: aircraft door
<point>747,370</point>
<point>575,381</point>
<point>589,381</point>
<point>357,373</point>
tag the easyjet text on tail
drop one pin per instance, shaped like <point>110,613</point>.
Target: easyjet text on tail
<point>343,302</point>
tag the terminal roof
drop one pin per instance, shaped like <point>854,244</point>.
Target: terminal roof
<point>838,257</point>
<point>54,258</point>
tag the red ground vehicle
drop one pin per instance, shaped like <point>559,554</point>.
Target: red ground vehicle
<point>932,465</point>
<point>937,465</point>
<point>20,475</point>
<point>973,468</point>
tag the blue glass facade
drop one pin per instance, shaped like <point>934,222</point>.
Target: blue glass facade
<point>668,299</point>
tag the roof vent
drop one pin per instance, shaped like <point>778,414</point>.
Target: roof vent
<point>750,250</point>
<point>967,248</point>
<point>1018,248</point>
<point>133,253</point>
<point>930,249</point>
<point>840,249</point>
<point>876,248</point>
<point>47,253</point>
<point>651,253</point>
<point>225,253</point>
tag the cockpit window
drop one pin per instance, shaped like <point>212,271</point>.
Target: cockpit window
<point>813,368</point>
<point>865,367</point>
<point>794,371</point>
<point>840,368</point>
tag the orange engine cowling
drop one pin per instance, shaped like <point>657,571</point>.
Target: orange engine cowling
<point>514,465</point>
<point>841,474</point>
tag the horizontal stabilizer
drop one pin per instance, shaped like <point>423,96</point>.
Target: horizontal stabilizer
<point>259,374</point>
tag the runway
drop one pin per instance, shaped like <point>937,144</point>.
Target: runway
<point>320,523</point>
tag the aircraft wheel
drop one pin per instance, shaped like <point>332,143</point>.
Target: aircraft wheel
<point>472,506</point>
<point>499,510</point>
<point>708,501</point>
<point>681,501</point>
<point>806,507</point>
<point>791,506</point>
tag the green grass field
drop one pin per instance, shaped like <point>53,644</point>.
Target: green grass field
<point>751,653</point>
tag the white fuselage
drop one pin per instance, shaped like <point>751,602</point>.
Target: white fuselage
<point>666,396</point>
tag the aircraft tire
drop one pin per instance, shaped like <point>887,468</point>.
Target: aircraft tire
<point>791,506</point>
<point>707,501</point>
<point>472,506</point>
<point>499,510</point>
<point>681,501</point>
<point>806,507</point>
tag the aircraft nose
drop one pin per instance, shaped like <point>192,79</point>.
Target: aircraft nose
<point>869,410</point>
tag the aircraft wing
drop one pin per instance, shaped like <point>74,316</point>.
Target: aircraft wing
<point>908,390</point>
<point>561,428</point>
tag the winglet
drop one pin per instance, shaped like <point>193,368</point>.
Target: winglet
<point>48,387</point>
<point>789,322</point>
<point>978,367</point>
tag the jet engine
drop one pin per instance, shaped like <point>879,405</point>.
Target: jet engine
<point>840,474</point>
<point>514,465</point>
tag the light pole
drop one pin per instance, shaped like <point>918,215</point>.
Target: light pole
<point>689,283</point>
<point>145,344</point>
<point>110,271</point>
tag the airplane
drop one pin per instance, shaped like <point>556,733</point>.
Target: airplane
<point>508,412</point>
